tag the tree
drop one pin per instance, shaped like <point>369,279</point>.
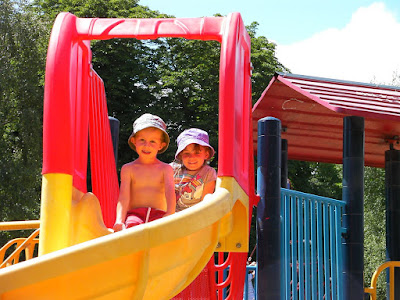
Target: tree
<point>23,41</point>
<point>374,225</point>
<point>265,64</point>
<point>316,178</point>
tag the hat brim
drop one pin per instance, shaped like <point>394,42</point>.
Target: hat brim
<point>166,139</point>
<point>187,142</point>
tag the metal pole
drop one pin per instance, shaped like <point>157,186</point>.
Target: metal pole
<point>114,128</point>
<point>353,217</point>
<point>284,164</point>
<point>268,212</point>
<point>392,189</point>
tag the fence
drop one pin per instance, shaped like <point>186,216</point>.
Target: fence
<point>311,246</point>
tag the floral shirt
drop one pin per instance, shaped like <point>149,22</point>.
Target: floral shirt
<point>189,188</point>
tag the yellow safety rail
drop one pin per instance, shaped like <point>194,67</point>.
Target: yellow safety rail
<point>27,244</point>
<point>19,225</point>
<point>21,244</point>
<point>372,289</point>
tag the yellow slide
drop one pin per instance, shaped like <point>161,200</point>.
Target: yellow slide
<point>152,261</point>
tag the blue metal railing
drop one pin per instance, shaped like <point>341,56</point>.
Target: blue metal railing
<point>250,270</point>
<point>311,246</point>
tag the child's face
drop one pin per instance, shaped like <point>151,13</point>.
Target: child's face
<point>148,142</point>
<point>193,156</point>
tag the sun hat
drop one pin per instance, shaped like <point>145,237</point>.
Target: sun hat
<point>193,136</point>
<point>147,121</point>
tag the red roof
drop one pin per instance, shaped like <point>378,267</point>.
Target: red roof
<point>311,110</point>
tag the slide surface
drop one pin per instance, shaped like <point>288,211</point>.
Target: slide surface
<point>152,261</point>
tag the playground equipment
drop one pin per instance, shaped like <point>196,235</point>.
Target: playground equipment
<point>326,120</point>
<point>78,256</point>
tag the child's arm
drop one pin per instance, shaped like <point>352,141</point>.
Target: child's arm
<point>123,199</point>
<point>169,190</point>
<point>209,188</point>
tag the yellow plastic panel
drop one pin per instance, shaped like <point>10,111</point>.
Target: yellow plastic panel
<point>151,261</point>
<point>55,212</point>
<point>86,218</point>
<point>236,222</point>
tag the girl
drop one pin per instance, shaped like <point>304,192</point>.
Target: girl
<point>193,180</point>
<point>193,177</point>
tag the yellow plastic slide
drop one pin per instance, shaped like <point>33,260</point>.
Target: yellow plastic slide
<point>152,261</point>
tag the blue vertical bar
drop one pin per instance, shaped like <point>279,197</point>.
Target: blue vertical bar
<point>327,273</point>
<point>255,283</point>
<point>294,248</point>
<point>313,251</point>
<point>246,286</point>
<point>225,275</point>
<point>320,270</point>
<point>268,212</point>
<point>339,255</point>
<point>300,228</point>
<point>286,249</point>
<point>353,217</point>
<point>334,232</point>
<point>307,248</point>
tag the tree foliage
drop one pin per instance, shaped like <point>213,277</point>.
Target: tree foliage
<point>264,61</point>
<point>22,47</point>
<point>23,41</point>
<point>316,178</point>
<point>374,225</point>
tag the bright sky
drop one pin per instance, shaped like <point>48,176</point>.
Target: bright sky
<point>356,40</point>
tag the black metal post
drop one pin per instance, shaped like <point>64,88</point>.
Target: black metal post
<point>284,164</point>
<point>114,127</point>
<point>268,211</point>
<point>353,217</point>
<point>392,190</point>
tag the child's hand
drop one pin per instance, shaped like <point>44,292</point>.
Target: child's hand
<point>119,227</point>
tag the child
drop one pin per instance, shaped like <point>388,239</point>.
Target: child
<point>147,185</point>
<point>193,177</point>
<point>193,180</point>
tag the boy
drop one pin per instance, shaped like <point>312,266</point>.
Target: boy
<point>147,189</point>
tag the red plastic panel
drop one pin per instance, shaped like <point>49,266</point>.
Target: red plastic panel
<point>235,141</point>
<point>102,161</point>
<point>59,98</point>
<point>208,28</point>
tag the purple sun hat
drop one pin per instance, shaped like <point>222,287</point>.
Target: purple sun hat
<point>146,121</point>
<point>193,136</point>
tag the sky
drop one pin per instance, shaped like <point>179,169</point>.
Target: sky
<point>356,40</point>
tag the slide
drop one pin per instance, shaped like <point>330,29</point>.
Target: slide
<point>79,256</point>
<point>152,261</point>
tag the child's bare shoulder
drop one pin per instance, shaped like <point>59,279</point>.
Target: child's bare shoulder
<point>165,167</point>
<point>129,167</point>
